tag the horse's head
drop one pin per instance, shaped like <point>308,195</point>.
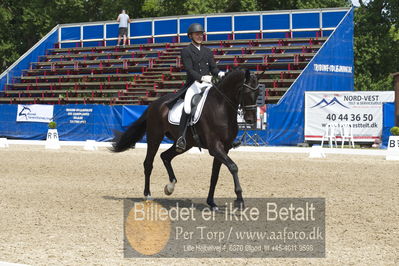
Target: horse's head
<point>247,95</point>
<point>240,89</point>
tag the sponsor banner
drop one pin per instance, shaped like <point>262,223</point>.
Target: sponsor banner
<point>362,111</point>
<point>35,113</point>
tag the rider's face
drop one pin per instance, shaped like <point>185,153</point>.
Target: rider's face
<point>197,37</point>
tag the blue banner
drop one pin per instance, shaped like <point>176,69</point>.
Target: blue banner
<point>79,122</point>
<point>83,122</point>
<point>131,113</point>
<point>75,122</point>
<point>10,128</point>
<point>388,112</point>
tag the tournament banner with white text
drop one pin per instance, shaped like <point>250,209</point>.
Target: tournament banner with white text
<point>35,113</point>
<point>362,110</point>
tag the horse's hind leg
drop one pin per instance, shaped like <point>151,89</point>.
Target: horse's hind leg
<point>167,157</point>
<point>152,148</point>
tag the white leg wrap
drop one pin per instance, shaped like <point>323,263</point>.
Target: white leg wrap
<point>149,198</point>
<point>169,188</point>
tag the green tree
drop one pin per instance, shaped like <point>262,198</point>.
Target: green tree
<point>298,4</point>
<point>376,44</point>
<point>323,3</point>
<point>8,53</point>
<point>156,8</point>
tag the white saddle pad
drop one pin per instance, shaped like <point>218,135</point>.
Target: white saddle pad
<point>175,114</point>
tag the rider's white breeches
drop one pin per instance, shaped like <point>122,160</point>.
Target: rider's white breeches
<point>195,88</point>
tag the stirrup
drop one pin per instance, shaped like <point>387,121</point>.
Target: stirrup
<point>180,144</point>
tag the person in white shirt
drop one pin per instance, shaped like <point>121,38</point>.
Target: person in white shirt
<point>123,20</point>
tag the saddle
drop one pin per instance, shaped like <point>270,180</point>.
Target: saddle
<point>197,103</point>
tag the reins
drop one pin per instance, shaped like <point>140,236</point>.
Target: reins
<point>227,99</point>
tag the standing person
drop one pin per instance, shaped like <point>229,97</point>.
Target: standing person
<point>123,20</point>
<point>200,64</point>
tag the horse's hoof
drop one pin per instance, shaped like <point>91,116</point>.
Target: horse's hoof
<point>215,208</point>
<point>239,204</point>
<point>149,198</point>
<point>169,189</point>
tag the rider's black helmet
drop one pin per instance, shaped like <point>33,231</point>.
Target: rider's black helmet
<point>195,27</point>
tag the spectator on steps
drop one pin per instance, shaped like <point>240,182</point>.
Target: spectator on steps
<point>124,21</point>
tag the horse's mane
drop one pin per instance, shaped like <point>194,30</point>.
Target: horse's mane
<point>234,70</point>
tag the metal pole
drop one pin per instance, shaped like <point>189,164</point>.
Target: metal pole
<point>396,87</point>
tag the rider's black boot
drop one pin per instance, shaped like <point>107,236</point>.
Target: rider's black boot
<point>181,141</point>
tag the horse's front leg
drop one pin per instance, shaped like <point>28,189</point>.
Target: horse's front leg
<point>167,157</point>
<point>148,165</point>
<point>220,153</point>
<point>214,180</point>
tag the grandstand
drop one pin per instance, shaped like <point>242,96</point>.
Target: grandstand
<point>139,74</point>
<point>81,64</point>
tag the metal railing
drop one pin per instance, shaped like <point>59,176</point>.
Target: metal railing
<point>231,32</point>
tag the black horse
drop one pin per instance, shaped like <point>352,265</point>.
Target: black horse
<point>217,128</point>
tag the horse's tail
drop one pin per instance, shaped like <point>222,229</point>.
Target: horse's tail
<point>133,134</point>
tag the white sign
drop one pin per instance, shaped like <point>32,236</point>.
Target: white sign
<point>35,113</point>
<point>52,141</point>
<point>393,148</point>
<point>361,109</point>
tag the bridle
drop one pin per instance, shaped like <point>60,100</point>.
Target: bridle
<point>244,89</point>
<point>242,93</point>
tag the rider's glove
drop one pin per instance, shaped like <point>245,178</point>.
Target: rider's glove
<point>221,74</point>
<point>207,79</point>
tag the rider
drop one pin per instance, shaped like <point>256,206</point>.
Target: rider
<point>200,64</point>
